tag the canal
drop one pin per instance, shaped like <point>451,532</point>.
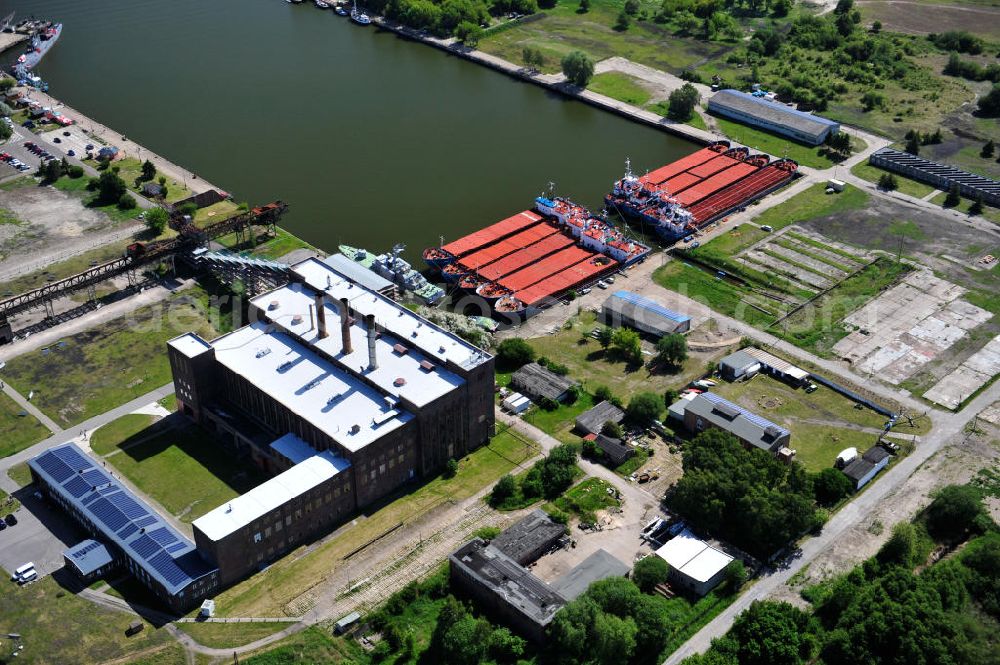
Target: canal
<point>372,139</point>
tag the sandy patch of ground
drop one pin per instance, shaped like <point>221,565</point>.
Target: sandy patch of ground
<point>923,18</point>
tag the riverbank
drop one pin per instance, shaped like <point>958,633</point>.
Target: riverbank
<point>127,147</point>
<point>554,82</point>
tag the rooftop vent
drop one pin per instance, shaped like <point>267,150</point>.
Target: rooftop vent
<point>297,319</point>
<point>400,349</point>
<point>726,411</point>
<point>263,352</point>
<point>441,349</point>
<point>333,400</point>
<point>399,382</point>
<point>427,365</point>
<point>355,429</point>
<point>274,305</point>
<point>285,366</point>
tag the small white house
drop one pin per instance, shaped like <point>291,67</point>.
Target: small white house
<point>516,403</point>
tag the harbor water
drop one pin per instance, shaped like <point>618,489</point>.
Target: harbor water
<point>372,139</point>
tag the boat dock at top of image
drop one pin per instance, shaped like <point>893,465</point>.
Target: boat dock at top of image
<point>43,35</point>
<point>679,198</point>
<point>529,259</point>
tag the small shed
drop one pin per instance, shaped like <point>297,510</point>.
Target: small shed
<point>153,189</point>
<point>540,383</point>
<point>207,609</point>
<point>778,367</point>
<point>516,403</point>
<point>863,469</point>
<point>346,622</point>
<point>694,564</point>
<point>107,153</point>
<point>738,365</point>
<point>592,420</point>
<point>616,451</point>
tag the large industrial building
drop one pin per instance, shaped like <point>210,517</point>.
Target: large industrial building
<point>772,116</point>
<point>709,410</point>
<point>624,308</point>
<point>342,393</point>
<point>129,534</point>
<point>939,176</point>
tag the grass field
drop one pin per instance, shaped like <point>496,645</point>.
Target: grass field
<point>93,371</point>
<point>313,645</point>
<point>590,365</point>
<point>272,248</point>
<point>17,431</point>
<point>906,185</point>
<point>722,296</point>
<point>560,422</point>
<point>772,144</point>
<point>215,213</point>
<point>817,326</point>
<point>107,437</point>
<point>268,593</point>
<point>63,269</point>
<point>130,168</point>
<point>20,474</point>
<point>224,635</point>
<point>585,498</point>
<point>562,29</point>
<point>813,203</point>
<point>620,86</point>
<point>188,471</point>
<point>78,186</point>
<point>989,213</point>
<point>58,627</point>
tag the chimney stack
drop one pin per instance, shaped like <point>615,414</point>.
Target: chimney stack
<point>345,325</point>
<point>370,322</point>
<point>321,316</point>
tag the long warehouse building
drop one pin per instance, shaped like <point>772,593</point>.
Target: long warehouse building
<point>772,116</point>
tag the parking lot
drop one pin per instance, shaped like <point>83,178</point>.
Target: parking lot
<point>40,536</point>
<point>15,147</point>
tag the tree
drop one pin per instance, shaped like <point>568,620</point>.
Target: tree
<point>977,205</point>
<point>604,335</point>
<point>735,575</point>
<point>532,57</point>
<point>830,486</point>
<point>989,104</point>
<point>75,171</point>
<point>469,33</point>
<point>988,149</point>
<point>584,7</point>
<point>670,395</point>
<point>622,22</point>
<point>644,407</point>
<point>626,344</point>
<point>913,144</point>
<point>632,7</point>
<point>5,110</point>
<point>612,429</point>
<point>888,182</point>
<point>5,131</point>
<point>901,548</point>
<point>450,468</point>
<point>772,633</point>
<point>682,102</point>
<point>514,352</point>
<point>504,646</point>
<point>110,187</point>
<point>51,171</point>
<point>505,488</point>
<point>954,511</point>
<point>649,572</point>
<point>148,170</point>
<point>843,7</point>
<point>840,142</point>
<point>126,202</point>
<point>578,68</point>
<point>876,27</point>
<point>156,220</point>
<point>953,198</point>
<point>780,8</point>
<point>872,100</point>
<point>672,349</point>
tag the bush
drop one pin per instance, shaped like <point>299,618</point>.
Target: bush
<point>514,352</point>
<point>956,510</point>
<point>126,202</point>
<point>450,468</point>
<point>612,429</point>
<point>888,182</point>
<point>735,575</point>
<point>649,572</point>
<point>156,220</point>
<point>75,171</point>
<point>505,488</point>
<point>953,198</point>
<point>603,394</point>
<point>989,104</point>
<point>644,407</point>
<point>830,486</point>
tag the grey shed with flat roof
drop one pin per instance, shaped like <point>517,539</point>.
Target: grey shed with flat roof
<point>359,274</point>
<point>600,565</point>
<point>772,116</point>
<point>616,451</point>
<point>528,538</point>
<point>592,420</point>
<point>538,382</point>
<point>737,365</point>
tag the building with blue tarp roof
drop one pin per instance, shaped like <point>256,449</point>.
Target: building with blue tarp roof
<point>624,308</point>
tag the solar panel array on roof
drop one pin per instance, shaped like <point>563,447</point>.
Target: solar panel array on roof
<point>92,545</point>
<point>650,305</point>
<point>121,517</point>
<point>763,423</point>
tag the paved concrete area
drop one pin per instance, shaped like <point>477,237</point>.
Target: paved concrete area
<point>969,377</point>
<point>41,534</point>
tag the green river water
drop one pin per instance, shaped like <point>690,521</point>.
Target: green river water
<point>372,139</point>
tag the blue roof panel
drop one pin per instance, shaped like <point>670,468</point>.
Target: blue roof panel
<point>781,107</point>
<point>650,306</point>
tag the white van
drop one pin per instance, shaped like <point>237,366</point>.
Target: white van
<point>29,576</point>
<point>22,571</point>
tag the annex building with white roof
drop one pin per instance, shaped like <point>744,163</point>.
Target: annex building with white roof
<point>340,392</point>
<point>694,564</point>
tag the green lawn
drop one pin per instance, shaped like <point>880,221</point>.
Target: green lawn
<point>20,474</point>
<point>623,87</point>
<point>225,635</point>
<point>268,593</point>
<point>560,422</point>
<point>313,645</point>
<point>562,29</point>
<point>772,144</point>
<point>215,213</point>
<point>78,186</point>
<point>58,627</point>
<point>722,296</point>
<point>813,203</point>
<point>633,464</point>
<point>107,437</point>
<point>93,371</point>
<point>585,498</point>
<point>270,248</point>
<point>130,168</point>
<point>188,471</point>
<point>18,429</point>
<point>989,213</point>
<point>906,185</point>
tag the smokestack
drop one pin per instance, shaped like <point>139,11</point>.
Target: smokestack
<point>345,325</point>
<point>370,322</point>
<point>320,316</point>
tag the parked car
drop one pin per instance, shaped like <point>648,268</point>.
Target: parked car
<point>65,133</point>
<point>71,153</point>
<point>10,519</point>
<point>57,140</point>
<point>767,228</point>
<point>3,525</point>
<point>89,146</point>
<point>585,291</point>
<point>695,244</point>
<point>602,284</point>
<point>27,124</point>
<point>811,388</point>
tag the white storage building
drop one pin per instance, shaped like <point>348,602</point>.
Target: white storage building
<point>694,564</point>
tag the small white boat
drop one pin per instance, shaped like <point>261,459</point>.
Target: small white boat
<point>322,5</point>
<point>341,11</point>
<point>360,18</point>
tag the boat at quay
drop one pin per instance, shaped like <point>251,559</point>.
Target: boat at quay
<point>391,266</point>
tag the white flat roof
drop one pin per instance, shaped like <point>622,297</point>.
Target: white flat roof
<point>293,448</point>
<point>419,385</point>
<point>264,498</point>
<point>434,341</point>
<point>693,557</point>
<point>326,396</point>
<point>190,344</point>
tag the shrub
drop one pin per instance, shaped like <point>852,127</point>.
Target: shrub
<point>450,468</point>
<point>75,171</point>
<point>888,182</point>
<point>514,352</point>
<point>612,429</point>
<point>649,572</point>
<point>956,510</point>
<point>126,202</point>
